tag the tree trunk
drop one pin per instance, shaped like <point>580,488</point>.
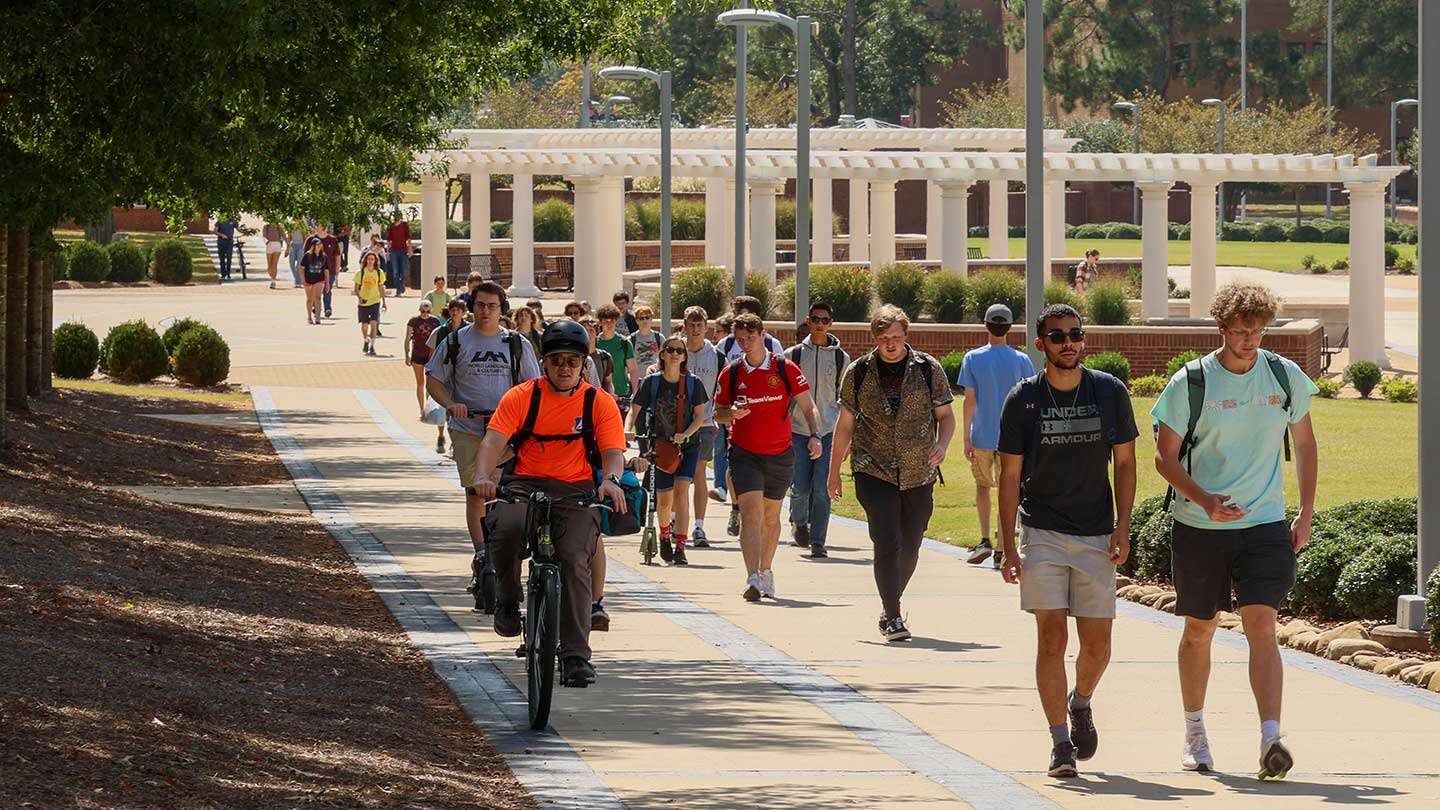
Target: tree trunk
<point>17,300</point>
<point>4,277</point>
<point>35,312</point>
<point>847,56</point>
<point>103,230</point>
<point>47,309</point>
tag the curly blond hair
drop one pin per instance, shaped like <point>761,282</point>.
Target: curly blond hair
<point>1244,301</point>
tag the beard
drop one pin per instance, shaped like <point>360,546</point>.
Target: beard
<point>1066,362</point>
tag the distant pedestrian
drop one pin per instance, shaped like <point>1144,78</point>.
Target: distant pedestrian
<point>627,323</point>
<point>621,350</point>
<point>224,231</point>
<point>417,354</point>
<point>525,324</point>
<point>823,362</point>
<point>645,340</point>
<point>370,289</point>
<point>332,254</point>
<point>275,238</point>
<point>575,310</point>
<point>315,270</point>
<point>298,233</point>
<point>398,235</point>
<point>1086,273</point>
<point>704,362</point>
<point>599,366</point>
<point>438,297</point>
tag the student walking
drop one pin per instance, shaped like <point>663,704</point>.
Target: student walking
<point>704,362</point>
<point>332,254</point>
<point>1222,425</point>
<point>275,237</point>
<point>224,231</point>
<point>315,270</point>
<point>673,402</point>
<point>730,349</point>
<point>370,289</point>
<point>987,374</point>
<point>398,235</point>
<point>753,395</point>
<point>297,235</point>
<point>1059,432</point>
<point>645,340</point>
<point>823,363</point>
<point>621,351</point>
<point>527,324</point>
<point>628,321</point>
<point>895,416</point>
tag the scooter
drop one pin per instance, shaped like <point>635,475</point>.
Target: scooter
<point>649,538</point>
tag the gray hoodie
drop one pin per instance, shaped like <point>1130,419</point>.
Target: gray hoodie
<point>821,368</point>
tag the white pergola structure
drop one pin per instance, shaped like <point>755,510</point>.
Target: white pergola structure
<point>598,161</point>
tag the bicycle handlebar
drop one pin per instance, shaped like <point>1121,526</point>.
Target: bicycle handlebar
<point>586,498</point>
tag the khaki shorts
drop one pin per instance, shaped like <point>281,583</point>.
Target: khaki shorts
<point>986,468</point>
<point>1067,572</point>
<point>467,451</point>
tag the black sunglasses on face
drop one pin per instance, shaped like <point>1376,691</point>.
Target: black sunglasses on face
<point>819,319</point>
<point>1059,338</point>
<point>674,350</point>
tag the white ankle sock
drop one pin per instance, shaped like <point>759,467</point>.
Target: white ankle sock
<point>1195,722</point>
<point>1269,731</point>
<point>699,525</point>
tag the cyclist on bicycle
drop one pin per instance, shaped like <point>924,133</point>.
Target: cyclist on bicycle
<point>563,431</point>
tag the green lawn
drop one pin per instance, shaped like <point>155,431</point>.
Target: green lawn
<point>1352,464</point>
<point>1282,256</point>
<point>205,272</point>
<point>1339,211</point>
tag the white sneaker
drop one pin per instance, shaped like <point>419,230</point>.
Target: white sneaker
<point>1196,755</point>
<point>767,584</point>
<point>752,588</point>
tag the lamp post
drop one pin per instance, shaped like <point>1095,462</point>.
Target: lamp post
<point>585,95</point>
<point>743,18</point>
<point>1244,52</point>
<point>1219,105</point>
<point>1394,114</point>
<point>662,80</point>
<point>609,106</point>
<point>1134,109</point>
<point>1329,84</point>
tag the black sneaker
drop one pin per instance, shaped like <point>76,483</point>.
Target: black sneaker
<point>698,539</point>
<point>679,556</point>
<point>476,563</point>
<point>895,629</point>
<point>800,535</point>
<point>980,553</point>
<point>733,527</point>
<point>818,552</point>
<point>1082,731</point>
<point>576,672</point>
<point>667,552</point>
<point>440,445</point>
<point>599,619</point>
<point>1275,762</point>
<point>1062,761</point>
<point>507,619</point>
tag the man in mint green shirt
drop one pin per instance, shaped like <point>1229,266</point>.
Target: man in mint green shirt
<point>621,350</point>
<point>1230,531</point>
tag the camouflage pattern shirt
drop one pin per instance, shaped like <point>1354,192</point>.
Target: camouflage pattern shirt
<point>895,429</point>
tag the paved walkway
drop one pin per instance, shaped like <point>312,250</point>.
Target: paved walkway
<point>705,701</point>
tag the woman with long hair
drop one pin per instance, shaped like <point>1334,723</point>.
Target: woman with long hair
<point>315,271</point>
<point>673,401</point>
<point>527,324</point>
<point>370,289</point>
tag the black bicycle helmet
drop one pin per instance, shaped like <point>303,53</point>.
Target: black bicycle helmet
<point>565,336</point>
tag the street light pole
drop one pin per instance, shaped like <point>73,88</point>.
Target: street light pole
<point>1329,85</point>
<point>1244,53</point>
<point>738,264</point>
<point>1134,110</point>
<point>1034,175</point>
<point>585,95</point>
<point>1219,105</point>
<point>1394,115</point>
<point>1429,437</point>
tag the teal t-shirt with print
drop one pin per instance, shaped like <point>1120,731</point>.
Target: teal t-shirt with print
<point>621,349</point>
<point>1240,438</point>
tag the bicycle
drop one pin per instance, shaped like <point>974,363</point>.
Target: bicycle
<point>541,621</point>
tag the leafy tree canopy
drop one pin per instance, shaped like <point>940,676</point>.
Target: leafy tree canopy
<point>1375,48</point>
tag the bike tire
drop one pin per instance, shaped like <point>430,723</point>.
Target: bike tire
<point>648,545</point>
<point>542,642</point>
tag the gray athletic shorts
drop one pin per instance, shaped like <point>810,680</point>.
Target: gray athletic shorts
<point>1067,572</point>
<point>706,438</point>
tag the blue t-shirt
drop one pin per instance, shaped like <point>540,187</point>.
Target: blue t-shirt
<point>992,371</point>
<point>226,228</point>
<point>1239,441</point>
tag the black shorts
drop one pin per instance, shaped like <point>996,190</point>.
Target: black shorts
<point>751,472</point>
<point>1258,563</point>
<point>369,312</point>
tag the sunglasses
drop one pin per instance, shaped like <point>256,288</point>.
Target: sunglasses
<point>1060,338</point>
<point>819,319</point>
<point>673,350</point>
<point>565,360</point>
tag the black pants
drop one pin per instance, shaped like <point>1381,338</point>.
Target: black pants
<point>897,519</point>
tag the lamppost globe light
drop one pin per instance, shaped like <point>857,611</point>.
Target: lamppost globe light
<point>1128,106</point>
<point>1208,102</point>
<point>755,17</point>
<point>629,73</point>
<point>617,99</point>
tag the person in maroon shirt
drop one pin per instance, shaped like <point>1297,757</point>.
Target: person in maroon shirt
<point>417,354</point>
<point>332,253</point>
<point>753,395</point>
<point>398,235</point>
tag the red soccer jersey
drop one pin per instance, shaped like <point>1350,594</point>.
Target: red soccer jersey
<point>766,429</point>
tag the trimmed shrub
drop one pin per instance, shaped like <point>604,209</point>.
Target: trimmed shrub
<point>687,220</point>
<point>175,331</point>
<point>1058,292</point>
<point>1432,606</point>
<point>1016,231</point>
<point>1392,255</point>
<point>1308,261</point>
<point>847,288</point>
<point>947,295</point>
<point>982,231</point>
<point>171,263</point>
<point>1329,389</point>
<point>1409,234</point>
<point>1338,235</point>
<point>1152,545</point>
<point>1108,304</point>
<point>1123,230</point>
<point>457,229</point>
<point>1180,232</point>
<point>1318,569</point>
<point>1320,268</point>
<point>1236,232</point>
<point>203,357</point>
<point>902,285</point>
<point>127,262</point>
<point>758,285</point>
<point>1090,230</point>
<point>1405,266</point>
<point>703,286</point>
<point>1399,389</point>
<point>1364,376</point>
<point>952,363</point>
<point>75,351</point>
<point>555,221</point>
<point>1269,231</point>
<point>1339,266</point>
<point>1112,363</point>
<point>500,229</point>
<point>1178,362</point>
<point>1388,517</point>
<point>1148,386</point>
<point>1305,232</point>
<point>133,353</point>
<point>997,287</point>
<point>1141,515</point>
<point>88,261</point>
<point>1375,579</point>
<point>1392,231</point>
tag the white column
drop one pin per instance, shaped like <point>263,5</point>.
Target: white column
<point>1055,217</point>
<point>479,212</point>
<point>822,229</point>
<point>432,227</point>
<point>1154,250</point>
<point>717,225</point>
<point>954,197</point>
<point>999,222</point>
<point>598,243</point>
<point>882,222</point>
<point>616,190</point>
<point>935,223</point>
<point>1202,248</point>
<point>1367,272</point>
<point>859,221</point>
<point>522,236</point>
<point>762,225</point>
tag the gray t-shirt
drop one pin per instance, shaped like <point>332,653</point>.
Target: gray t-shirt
<point>482,373</point>
<point>704,363</point>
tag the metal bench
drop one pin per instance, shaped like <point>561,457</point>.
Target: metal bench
<point>559,275</point>
<point>912,253</point>
<point>1328,352</point>
<point>459,266</point>
<point>974,253</point>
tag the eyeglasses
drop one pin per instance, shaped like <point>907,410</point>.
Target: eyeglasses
<point>1245,334</point>
<point>820,319</point>
<point>574,313</point>
<point>1059,338</point>
<point>674,350</point>
<point>564,360</point>
<point>487,306</point>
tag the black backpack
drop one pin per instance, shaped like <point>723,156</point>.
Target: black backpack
<point>793,355</point>
<point>862,367</point>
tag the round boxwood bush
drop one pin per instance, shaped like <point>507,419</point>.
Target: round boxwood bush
<point>1113,363</point>
<point>1392,255</point>
<point>1399,389</point>
<point>997,287</point>
<point>952,363</point>
<point>88,261</point>
<point>1364,375</point>
<point>1329,389</point>
<point>1338,235</point>
<point>554,221</point>
<point>1305,232</point>
<point>1151,385</point>
<point>1123,230</point>
<point>457,229</point>
<point>1269,232</point>
<point>1152,547</point>
<point>1374,580</point>
<point>170,262</point>
<point>1369,516</point>
<point>1090,230</point>
<point>702,286</point>
<point>846,288</point>
<point>1318,569</point>
<point>1178,362</point>
<point>134,353</point>
<point>1016,231</point>
<point>175,331</point>
<point>902,285</point>
<point>946,296</point>
<point>1109,304</point>
<point>1236,232</point>
<point>202,358</point>
<point>127,262</point>
<point>75,351</point>
<point>1140,515</point>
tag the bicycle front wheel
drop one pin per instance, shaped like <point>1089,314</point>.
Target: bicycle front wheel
<point>542,641</point>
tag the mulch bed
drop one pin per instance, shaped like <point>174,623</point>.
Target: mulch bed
<point>160,655</point>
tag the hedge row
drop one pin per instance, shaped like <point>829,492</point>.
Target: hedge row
<point>1309,230</point>
<point>167,261</point>
<point>133,352</point>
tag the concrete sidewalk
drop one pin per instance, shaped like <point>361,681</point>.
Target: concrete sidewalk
<point>707,701</point>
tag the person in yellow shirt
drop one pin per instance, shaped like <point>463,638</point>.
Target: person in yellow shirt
<point>370,289</point>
